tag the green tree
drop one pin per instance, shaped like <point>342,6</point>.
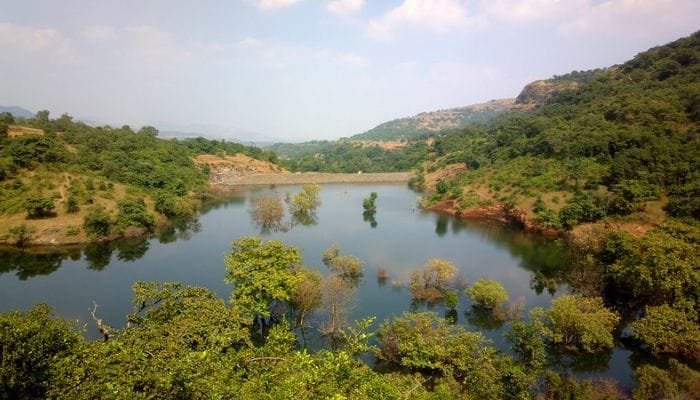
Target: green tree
<point>666,330</point>
<point>134,213</point>
<point>487,293</point>
<point>22,234</point>
<point>678,382</point>
<point>38,206</point>
<point>262,272</point>
<point>578,323</point>
<point>307,200</point>
<point>369,203</point>
<point>431,283</point>
<point>31,346</point>
<point>345,266</point>
<point>97,222</point>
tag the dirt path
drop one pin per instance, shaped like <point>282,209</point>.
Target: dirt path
<point>310,177</point>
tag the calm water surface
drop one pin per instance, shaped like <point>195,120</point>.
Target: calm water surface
<point>402,239</point>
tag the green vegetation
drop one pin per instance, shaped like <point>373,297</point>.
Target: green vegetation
<point>98,223</point>
<point>488,294</point>
<point>307,200</point>
<point>369,203</point>
<point>64,162</point>
<point>624,136</point>
<point>431,284</point>
<point>578,323</point>
<point>348,156</point>
<point>22,235</point>
<point>345,266</point>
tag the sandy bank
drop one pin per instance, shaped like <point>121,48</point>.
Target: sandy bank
<point>311,177</point>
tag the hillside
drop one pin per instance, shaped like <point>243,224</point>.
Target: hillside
<point>63,181</point>
<point>17,112</point>
<point>429,123</point>
<point>610,141</point>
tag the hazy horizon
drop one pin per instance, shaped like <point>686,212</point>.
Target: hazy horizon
<point>296,70</point>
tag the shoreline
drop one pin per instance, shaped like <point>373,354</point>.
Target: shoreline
<point>314,177</point>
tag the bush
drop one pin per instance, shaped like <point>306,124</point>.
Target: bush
<point>678,382</point>
<point>72,205</point>
<point>424,341</point>
<point>134,213</point>
<point>97,222</point>
<point>487,293</point>
<point>583,207</point>
<point>430,283</point>
<point>368,203</point>
<point>22,234</point>
<point>38,207</point>
<point>32,344</point>
<point>344,266</point>
<point>578,323</point>
<point>666,330</point>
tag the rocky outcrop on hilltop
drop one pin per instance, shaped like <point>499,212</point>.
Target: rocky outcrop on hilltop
<point>538,92</point>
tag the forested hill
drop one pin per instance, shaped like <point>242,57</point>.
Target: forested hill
<point>61,168</point>
<point>621,138</point>
<point>430,123</point>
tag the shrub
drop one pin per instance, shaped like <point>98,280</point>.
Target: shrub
<point>487,293</point>
<point>368,203</point>
<point>38,207</point>
<point>578,323</point>
<point>666,330</point>
<point>134,213</point>
<point>344,266</point>
<point>22,234</point>
<point>430,283</point>
<point>72,205</point>
<point>97,222</point>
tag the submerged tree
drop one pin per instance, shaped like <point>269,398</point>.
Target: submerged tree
<point>308,295</point>
<point>338,296</point>
<point>578,323</point>
<point>267,212</point>
<point>263,273</point>
<point>345,266</point>
<point>431,283</point>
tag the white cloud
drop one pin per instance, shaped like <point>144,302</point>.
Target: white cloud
<point>437,16</point>
<point>521,11</point>
<point>269,5</point>
<point>632,18</point>
<point>25,39</point>
<point>99,33</point>
<point>345,7</point>
<point>250,43</point>
<point>351,60</point>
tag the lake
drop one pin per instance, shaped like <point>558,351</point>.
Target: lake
<point>400,239</point>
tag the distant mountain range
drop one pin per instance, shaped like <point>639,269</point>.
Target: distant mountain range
<point>17,112</point>
<point>432,122</point>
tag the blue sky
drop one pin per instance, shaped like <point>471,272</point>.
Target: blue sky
<point>307,69</point>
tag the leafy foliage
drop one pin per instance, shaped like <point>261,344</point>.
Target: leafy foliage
<point>31,346</point>
<point>578,323</point>
<point>487,293</point>
<point>97,222</point>
<point>666,330</point>
<point>262,272</point>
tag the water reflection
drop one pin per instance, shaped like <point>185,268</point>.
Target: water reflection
<point>304,218</point>
<point>482,318</point>
<point>31,262</point>
<point>27,264</point>
<point>369,216</point>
